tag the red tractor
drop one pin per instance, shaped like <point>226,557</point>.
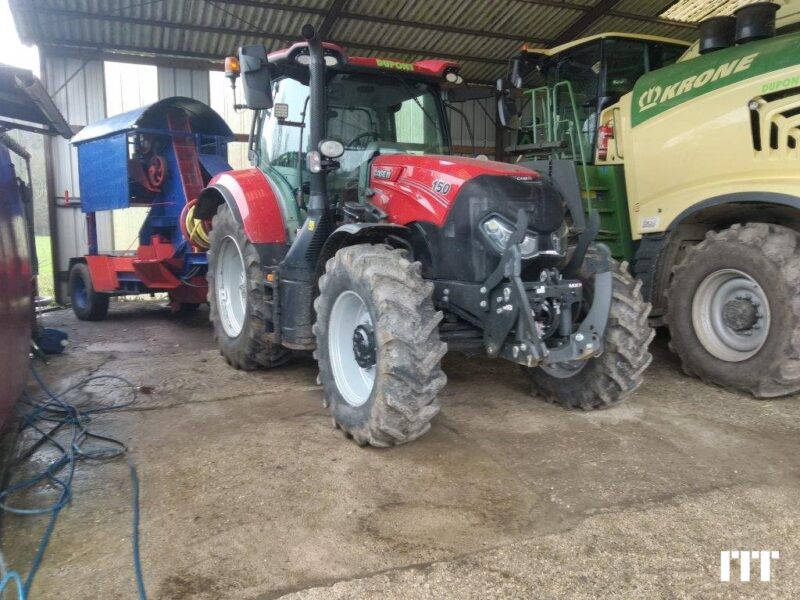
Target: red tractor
<point>358,235</point>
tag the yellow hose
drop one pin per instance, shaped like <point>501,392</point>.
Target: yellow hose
<point>196,230</point>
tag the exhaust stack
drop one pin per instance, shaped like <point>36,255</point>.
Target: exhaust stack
<point>755,21</point>
<point>717,33</point>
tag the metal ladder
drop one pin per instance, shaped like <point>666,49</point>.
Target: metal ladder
<point>555,132</point>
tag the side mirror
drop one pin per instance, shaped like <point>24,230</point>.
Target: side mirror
<point>256,81</point>
<point>507,111</point>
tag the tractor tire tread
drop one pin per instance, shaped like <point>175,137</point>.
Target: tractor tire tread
<point>253,350</point>
<point>780,246</point>
<point>409,361</point>
<point>617,373</point>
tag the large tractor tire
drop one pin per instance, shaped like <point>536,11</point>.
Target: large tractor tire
<point>734,309</point>
<point>237,297</point>
<point>87,304</point>
<point>613,376</point>
<point>378,345</point>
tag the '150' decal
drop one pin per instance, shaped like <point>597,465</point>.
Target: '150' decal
<point>440,187</point>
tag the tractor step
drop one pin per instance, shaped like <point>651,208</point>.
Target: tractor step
<point>271,305</point>
<point>537,147</point>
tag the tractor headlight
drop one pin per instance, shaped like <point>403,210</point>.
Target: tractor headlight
<point>304,59</point>
<point>314,161</point>
<point>498,231</point>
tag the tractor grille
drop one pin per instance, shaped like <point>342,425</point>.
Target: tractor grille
<point>775,122</point>
<point>507,195</point>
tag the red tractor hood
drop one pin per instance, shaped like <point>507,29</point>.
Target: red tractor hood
<point>412,188</point>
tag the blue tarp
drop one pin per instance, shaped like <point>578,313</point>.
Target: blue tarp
<point>204,120</point>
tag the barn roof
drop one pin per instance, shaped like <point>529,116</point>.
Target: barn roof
<point>481,35</point>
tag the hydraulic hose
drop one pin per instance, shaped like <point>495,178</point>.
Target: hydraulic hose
<point>193,229</point>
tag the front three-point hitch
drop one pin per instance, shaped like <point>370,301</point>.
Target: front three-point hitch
<point>548,321</point>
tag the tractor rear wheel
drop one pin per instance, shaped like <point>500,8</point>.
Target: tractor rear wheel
<point>613,376</point>
<point>237,297</point>
<point>87,304</point>
<point>378,345</point>
<point>734,310</point>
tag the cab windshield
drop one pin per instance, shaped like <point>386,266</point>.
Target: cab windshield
<point>366,112</point>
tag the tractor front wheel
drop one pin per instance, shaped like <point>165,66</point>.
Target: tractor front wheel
<point>613,376</point>
<point>87,304</point>
<point>378,345</point>
<point>734,310</point>
<point>237,297</point>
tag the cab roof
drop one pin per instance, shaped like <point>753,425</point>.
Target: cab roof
<point>428,68</point>
<point>601,36</point>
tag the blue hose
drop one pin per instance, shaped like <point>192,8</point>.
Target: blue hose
<point>57,413</point>
<point>6,581</point>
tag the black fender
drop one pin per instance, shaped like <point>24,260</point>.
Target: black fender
<point>209,200</point>
<point>350,234</point>
<point>743,199</point>
<point>657,253</point>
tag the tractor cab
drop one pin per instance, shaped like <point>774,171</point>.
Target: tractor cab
<point>566,87</point>
<point>373,107</point>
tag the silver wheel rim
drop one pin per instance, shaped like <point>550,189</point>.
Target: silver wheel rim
<point>731,315</point>
<point>354,382</point>
<point>230,277</point>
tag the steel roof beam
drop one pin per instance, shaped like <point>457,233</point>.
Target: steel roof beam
<point>377,19</point>
<point>140,55</point>
<point>588,19</point>
<point>44,11</point>
<point>257,35</point>
<point>269,34</point>
<point>335,11</point>
<point>330,19</point>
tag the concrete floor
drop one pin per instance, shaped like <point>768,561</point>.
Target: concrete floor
<point>248,492</point>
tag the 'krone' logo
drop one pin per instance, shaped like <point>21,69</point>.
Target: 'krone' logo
<point>658,95</point>
<point>650,98</point>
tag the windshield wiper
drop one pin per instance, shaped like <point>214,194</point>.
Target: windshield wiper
<point>411,93</point>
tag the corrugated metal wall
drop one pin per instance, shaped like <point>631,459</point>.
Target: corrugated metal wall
<point>238,120</point>
<point>192,83</point>
<point>78,90</point>
<point>481,116</point>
